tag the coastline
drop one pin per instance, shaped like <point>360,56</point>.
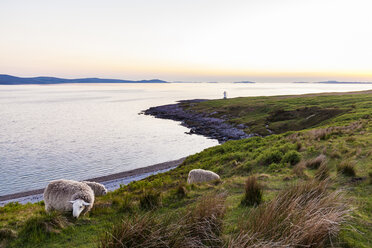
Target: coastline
<point>200,123</point>
<point>111,182</point>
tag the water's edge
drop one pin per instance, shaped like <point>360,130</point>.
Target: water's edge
<point>200,123</point>
<point>111,182</point>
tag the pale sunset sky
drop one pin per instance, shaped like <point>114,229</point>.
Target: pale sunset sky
<point>188,40</point>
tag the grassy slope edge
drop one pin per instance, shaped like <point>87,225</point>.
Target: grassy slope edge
<point>337,146</point>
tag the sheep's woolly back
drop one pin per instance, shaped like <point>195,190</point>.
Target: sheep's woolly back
<point>59,193</point>
<point>200,175</point>
<point>98,189</point>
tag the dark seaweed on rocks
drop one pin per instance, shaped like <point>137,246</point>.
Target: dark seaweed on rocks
<point>199,123</point>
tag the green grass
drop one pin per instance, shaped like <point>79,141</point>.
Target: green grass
<point>345,136</point>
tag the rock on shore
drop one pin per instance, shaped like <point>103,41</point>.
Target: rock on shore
<point>199,123</point>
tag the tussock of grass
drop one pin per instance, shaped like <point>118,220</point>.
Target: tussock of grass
<point>253,192</point>
<point>346,168</point>
<point>305,215</point>
<point>200,226</point>
<point>140,231</point>
<point>181,191</point>
<point>150,199</point>
<point>299,170</point>
<point>322,172</point>
<point>38,228</point>
<point>126,204</point>
<point>315,162</point>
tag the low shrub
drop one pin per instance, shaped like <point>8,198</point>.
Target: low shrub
<point>275,167</point>
<point>270,156</point>
<point>346,168</point>
<point>150,199</point>
<point>305,215</point>
<point>292,157</point>
<point>370,177</point>
<point>253,192</point>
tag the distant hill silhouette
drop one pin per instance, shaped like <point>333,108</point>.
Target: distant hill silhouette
<point>338,82</point>
<point>12,80</point>
<point>245,82</point>
<point>333,82</point>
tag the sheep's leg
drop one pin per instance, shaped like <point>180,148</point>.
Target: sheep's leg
<point>48,208</point>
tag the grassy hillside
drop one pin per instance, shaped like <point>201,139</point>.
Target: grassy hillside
<point>287,113</point>
<point>306,188</point>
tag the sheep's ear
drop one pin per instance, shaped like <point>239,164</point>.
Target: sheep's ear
<point>86,203</point>
<point>72,202</point>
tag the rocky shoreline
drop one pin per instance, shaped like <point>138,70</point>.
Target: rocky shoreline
<point>199,123</point>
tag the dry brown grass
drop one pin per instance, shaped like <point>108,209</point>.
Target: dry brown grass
<point>325,133</point>
<point>299,170</point>
<point>315,162</point>
<point>322,172</point>
<point>200,226</point>
<point>305,215</point>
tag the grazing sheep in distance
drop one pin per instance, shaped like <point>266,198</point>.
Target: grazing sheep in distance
<point>200,175</point>
<point>67,195</point>
<point>98,189</point>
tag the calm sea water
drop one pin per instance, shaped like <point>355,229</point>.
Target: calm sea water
<point>81,131</point>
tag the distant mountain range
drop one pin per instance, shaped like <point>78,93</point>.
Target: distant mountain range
<point>334,82</point>
<point>245,82</point>
<point>12,80</point>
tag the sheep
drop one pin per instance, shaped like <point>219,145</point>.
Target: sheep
<point>67,195</point>
<point>200,175</point>
<point>98,189</point>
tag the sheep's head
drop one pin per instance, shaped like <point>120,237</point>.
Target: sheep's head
<point>78,206</point>
<point>104,191</point>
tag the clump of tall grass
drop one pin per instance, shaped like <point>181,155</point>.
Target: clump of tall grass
<point>181,191</point>
<point>299,170</point>
<point>202,224</point>
<point>40,227</point>
<point>252,192</point>
<point>315,162</point>
<point>199,226</point>
<point>126,204</point>
<point>7,233</point>
<point>346,168</point>
<point>305,215</point>
<point>322,172</point>
<point>150,199</point>
<point>140,231</point>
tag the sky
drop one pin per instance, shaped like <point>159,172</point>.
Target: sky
<point>188,40</point>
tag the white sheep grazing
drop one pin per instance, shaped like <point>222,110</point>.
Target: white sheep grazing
<point>98,189</point>
<point>67,195</point>
<point>200,175</point>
